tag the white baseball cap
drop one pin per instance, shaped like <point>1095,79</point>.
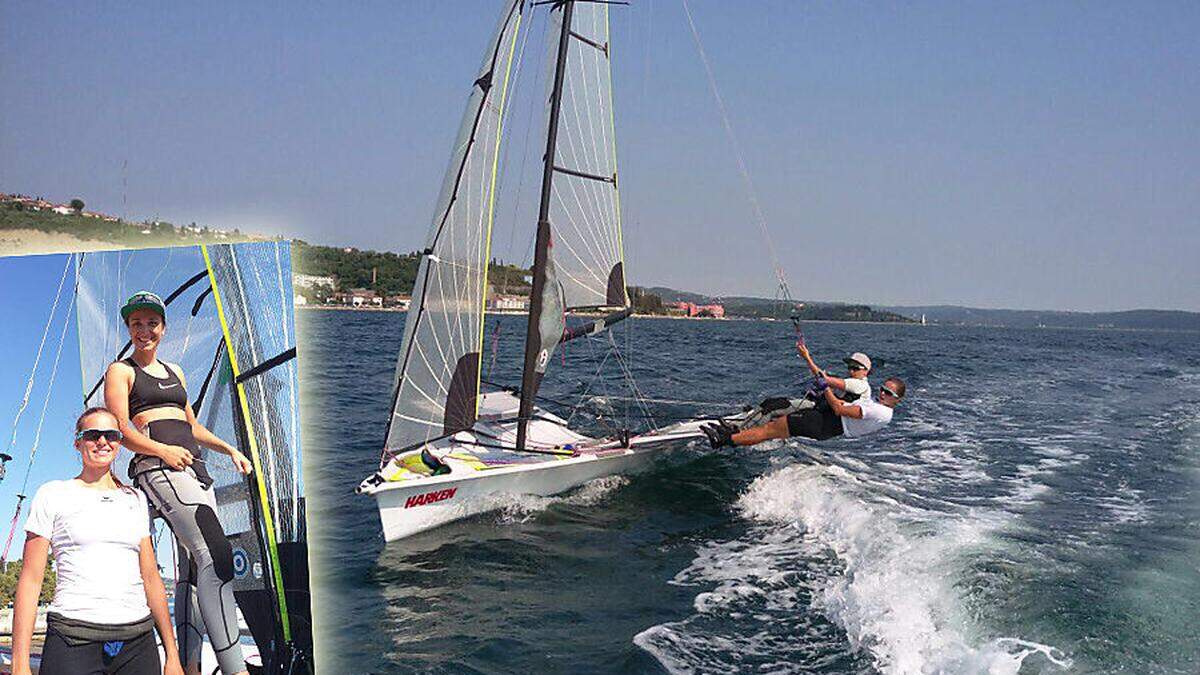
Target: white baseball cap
<point>858,358</point>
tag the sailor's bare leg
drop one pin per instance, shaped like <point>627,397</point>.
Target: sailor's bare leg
<point>777,428</point>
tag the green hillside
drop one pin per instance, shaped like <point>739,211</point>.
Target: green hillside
<point>384,272</point>
<point>119,232</point>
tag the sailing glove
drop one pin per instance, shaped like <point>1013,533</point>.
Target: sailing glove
<point>720,434</point>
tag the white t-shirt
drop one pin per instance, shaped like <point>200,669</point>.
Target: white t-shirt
<point>95,537</point>
<point>875,417</point>
<point>857,386</point>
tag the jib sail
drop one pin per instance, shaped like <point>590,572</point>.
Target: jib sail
<point>437,373</point>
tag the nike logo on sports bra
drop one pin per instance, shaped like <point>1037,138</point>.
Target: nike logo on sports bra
<point>170,386</point>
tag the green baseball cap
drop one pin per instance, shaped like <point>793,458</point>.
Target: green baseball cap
<point>143,300</point>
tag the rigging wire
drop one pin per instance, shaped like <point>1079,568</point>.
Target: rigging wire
<point>583,395</point>
<point>38,358</point>
<point>782,290</point>
<point>46,403</point>
<point>751,193</point>
<point>62,338</point>
<point>629,379</point>
<point>662,401</point>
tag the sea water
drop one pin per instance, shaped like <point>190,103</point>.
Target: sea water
<point>1032,509</point>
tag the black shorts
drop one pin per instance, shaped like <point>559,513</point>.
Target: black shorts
<point>62,655</point>
<point>818,423</point>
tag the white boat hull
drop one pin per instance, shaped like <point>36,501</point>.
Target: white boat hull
<point>408,509</point>
<point>414,504</point>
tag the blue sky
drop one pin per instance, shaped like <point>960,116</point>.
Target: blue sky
<point>1022,154</point>
<point>25,313</point>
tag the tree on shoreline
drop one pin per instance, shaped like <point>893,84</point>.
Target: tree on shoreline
<point>8,583</point>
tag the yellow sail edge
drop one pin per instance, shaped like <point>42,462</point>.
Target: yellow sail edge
<point>264,500</point>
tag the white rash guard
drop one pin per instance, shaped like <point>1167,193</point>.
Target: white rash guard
<point>875,417</point>
<point>95,537</point>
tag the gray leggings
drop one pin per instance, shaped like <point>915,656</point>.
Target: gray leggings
<point>204,580</point>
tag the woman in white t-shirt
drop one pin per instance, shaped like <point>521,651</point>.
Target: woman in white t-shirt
<point>109,597</point>
<point>851,388</point>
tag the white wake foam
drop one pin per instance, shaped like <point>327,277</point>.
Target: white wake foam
<point>891,584</point>
<point>897,597</point>
<point>522,508</point>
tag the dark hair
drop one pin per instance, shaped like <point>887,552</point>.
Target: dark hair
<point>94,410</point>
<point>97,410</point>
<point>897,385</point>
<point>161,315</point>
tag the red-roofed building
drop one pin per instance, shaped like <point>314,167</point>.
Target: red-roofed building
<point>692,309</point>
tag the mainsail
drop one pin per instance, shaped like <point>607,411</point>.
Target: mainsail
<point>578,259</point>
<point>437,374</point>
<point>230,328</point>
<point>584,208</point>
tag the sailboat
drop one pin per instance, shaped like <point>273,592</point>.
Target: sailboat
<point>453,450</point>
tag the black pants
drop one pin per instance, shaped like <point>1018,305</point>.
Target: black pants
<point>62,655</point>
<point>819,423</point>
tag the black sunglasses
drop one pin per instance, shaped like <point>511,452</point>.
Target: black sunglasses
<point>855,365</point>
<point>890,392</point>
<point>94,435</point>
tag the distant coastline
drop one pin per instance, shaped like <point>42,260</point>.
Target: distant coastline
<point>26,231</point>
<point>913,324</point>
<point>1134,319</point>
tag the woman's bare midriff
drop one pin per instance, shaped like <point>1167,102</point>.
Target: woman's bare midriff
<point>144,418</point>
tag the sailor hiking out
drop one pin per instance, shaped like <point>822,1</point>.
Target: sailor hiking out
<point>832,407</point>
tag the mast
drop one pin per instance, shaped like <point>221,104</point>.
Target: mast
<point>529,376</point>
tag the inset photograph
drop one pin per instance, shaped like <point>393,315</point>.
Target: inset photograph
<point>154,459</point>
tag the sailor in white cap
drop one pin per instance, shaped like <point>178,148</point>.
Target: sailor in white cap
<point>823,415</point>
<point>850,388</point>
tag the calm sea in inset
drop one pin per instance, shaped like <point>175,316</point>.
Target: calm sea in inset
<point>1033,508</point>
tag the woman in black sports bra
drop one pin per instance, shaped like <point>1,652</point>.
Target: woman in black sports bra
<point>149,399</point>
